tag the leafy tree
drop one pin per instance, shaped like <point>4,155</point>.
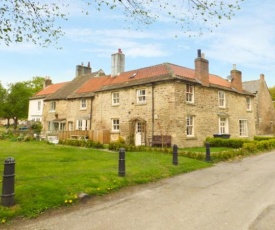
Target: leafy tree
<point>31,21</point>
<point>35,21</point>
<point>272,92</point>
<point>3,95</point>
<point>17,102</point>
<point>36,84</point>
<point>190,15</point>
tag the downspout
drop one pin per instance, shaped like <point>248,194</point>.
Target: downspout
<point>153,109</point>
<point>91,113</point>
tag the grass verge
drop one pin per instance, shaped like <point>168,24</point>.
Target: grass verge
<point>50,176</point>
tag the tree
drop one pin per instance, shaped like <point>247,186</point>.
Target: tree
<point>272,92</point>
<point>16,106</point>
<point>3,95</point>
<point>190,15</point>
<point>36,22</point>
<point>36,84</point>
<point>31,21</point>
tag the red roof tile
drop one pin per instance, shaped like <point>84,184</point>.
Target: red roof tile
<point>165,69</point>
<point>51,89</point>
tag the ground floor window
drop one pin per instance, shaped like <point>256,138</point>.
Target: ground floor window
<point>115,125</point>
<point>190,126</point>
<point>223,125</point>
<point>243,128</point>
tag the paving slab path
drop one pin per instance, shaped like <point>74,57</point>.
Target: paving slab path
<point>237,195</point>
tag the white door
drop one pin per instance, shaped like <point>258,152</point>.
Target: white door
<point>138,133</point>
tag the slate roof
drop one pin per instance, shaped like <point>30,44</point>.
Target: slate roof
<point>252,86</point>
<point>50,89</point>
<point>68,89</point>
<point>161,72</point>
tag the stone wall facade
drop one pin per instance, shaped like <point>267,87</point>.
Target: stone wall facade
<point>165,113</point>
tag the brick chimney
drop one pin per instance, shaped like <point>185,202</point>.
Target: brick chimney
<point>47,82</point>
<point>202,69</point>
<point>83,70</point>
<point>118,63</point>
<point>236,79</point>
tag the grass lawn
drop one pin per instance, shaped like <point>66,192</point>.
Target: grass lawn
<point>49,176</point>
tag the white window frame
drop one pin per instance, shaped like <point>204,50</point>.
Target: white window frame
<point>71,126</point>
<point>52,106</point>
<point>115,98</point>
<point>39,103</point>
<point>221,98</point>
<point>223,125</point>
<point>115,125</point>
<point>243,128</point>
<point>79,125</point>
<point>248,104</point>
<point>83,103</point>
<point>190,126</point>
<point>189,93</point>
<point>141,96</point>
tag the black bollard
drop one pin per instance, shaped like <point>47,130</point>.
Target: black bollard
<point>207,156</point>
<point>175,155</point>
<point>121,162</point>
<point>8,183</point>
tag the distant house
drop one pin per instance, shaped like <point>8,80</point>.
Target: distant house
<point>166,99</point>
<point>36,103</point>
<point>264,113</point>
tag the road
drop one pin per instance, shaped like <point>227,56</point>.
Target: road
<point>237,195</point>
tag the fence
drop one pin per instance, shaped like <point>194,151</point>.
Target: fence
<point>103,136</point>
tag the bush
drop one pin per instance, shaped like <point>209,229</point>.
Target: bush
<point>231,143</point>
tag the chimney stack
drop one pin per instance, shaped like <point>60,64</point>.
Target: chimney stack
<point>202,69</point>
<point>83,70</point>
<point>262,77</point>
<point>118,63</point>
<point>236,81</point>
<point>47,82</point>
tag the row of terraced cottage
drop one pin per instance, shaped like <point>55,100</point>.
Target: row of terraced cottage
<point>185,104</point>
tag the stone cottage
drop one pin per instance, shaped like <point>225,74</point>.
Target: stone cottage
<point>264,109</point>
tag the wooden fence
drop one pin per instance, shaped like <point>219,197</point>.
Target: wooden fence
<point>103,136</point>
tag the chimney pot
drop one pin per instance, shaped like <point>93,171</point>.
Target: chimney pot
<point>120,51</point>
<point>199,53</point>
<point>234,67</point>
<point>89,64</point>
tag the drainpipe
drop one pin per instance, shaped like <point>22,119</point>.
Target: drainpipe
<point>91,113</point>
<point>153,110</point>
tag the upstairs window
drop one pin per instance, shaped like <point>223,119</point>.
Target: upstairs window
<point>115,98</point>
<point>83,103</point>
<point>221,98</point>
<point>141,96</point>
<point>248,103</point>
<point>190,93</point>
<point>190,126</point>
<point>52,106</point>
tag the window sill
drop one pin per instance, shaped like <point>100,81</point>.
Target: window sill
<point>115,132</point>
<point>189,103</point>
<point>115,105</point>
<point>191,138</point>
<point>144,103</point>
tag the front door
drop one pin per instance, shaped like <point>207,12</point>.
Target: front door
<point>138,133</point>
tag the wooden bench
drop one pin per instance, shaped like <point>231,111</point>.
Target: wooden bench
<point>161,141</point>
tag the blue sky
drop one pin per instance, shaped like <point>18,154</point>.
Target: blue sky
<point>247,40</point>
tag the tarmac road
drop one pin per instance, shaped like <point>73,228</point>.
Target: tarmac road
<point>238,195</point>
